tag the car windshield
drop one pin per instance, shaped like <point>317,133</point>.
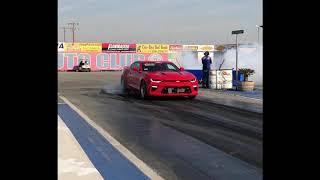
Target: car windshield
<point>159,67</point>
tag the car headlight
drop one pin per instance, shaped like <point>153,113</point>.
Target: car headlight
<point>155,81</point>
<point>193,80</point>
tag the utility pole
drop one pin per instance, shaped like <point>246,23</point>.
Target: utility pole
<point>236,33</point>
<point>64,32</point>
<point>73,28</point>
<point>237,61</point>
<point>258,46</point>
<point>258,27</point>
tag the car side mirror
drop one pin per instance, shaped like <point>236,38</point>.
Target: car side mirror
<point>135,69</point>
<point>181,68</point>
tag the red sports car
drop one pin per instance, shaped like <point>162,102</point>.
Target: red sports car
<point>159,78</point>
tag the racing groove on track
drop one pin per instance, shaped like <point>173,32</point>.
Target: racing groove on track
<point>135,123</point>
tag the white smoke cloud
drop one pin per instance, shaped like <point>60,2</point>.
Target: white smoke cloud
<point>190,61</point>
<point>248,57</point>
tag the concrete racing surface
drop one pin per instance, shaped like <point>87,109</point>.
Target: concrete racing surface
<point>177,137</point>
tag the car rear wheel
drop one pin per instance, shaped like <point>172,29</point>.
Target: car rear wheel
<point>143,90</point>
<point>123,84</point>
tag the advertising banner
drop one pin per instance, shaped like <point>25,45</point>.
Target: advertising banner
<point>190,47</point>
<point>209,48</point>
<point>90,47</point>
<point>70,47</point>
<point>60,47</point>
<point>105,61</point>
<point>221,79</point>
<point>82,47</point>
<point>155,56</point>
<point>152,48</point>
<point>118,47</point>
<point>175,47</point>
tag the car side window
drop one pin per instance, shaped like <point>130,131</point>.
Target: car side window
<point>171,67</point>
<point>138,66</point>
<point>132,65</point>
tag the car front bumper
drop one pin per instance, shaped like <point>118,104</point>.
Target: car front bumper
<point>171,89</point>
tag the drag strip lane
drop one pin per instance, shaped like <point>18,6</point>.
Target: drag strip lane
<point>167,134</point>
<point>149,136</point>
<point>187,157</point>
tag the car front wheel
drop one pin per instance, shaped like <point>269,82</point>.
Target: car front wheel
<point>143,90</point>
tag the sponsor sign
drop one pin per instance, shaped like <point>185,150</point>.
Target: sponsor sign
<point>175,47</point>
<point>60,47</point>
<point>190,47</point>
<point>90,47</point>
<point>118,47</point>
<point>152,48</point>
<point>206,48</point>
<point>82,47</point>
<point>72,47</point>
<point>155,57</point>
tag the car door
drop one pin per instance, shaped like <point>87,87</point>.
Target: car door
<point>130,75</point>
<point>136,76</point>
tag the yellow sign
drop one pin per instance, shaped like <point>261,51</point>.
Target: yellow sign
<point>82,47</point>
<point>152,48</point>
<point>206,48</point>
<point>69,47</point>
<point>190,47</point>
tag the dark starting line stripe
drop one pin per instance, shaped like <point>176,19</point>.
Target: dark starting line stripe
<point>110,163</point>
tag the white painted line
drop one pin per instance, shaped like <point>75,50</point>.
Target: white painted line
<point>124,151</point>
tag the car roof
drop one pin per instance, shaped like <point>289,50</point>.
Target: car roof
<point>153,61</point>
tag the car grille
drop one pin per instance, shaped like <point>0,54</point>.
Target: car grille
<point>175,80</point>
<point>175,90</point>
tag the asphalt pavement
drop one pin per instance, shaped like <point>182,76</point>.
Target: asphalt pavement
<point>177,137</point>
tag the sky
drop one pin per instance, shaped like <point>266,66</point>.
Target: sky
<point>161,21</point>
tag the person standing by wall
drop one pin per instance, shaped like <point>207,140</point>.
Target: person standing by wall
<point>206,66</point>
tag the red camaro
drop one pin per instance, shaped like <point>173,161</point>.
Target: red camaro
<point>159,78</point>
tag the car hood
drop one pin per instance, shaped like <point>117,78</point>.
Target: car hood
<point>171,75</point>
